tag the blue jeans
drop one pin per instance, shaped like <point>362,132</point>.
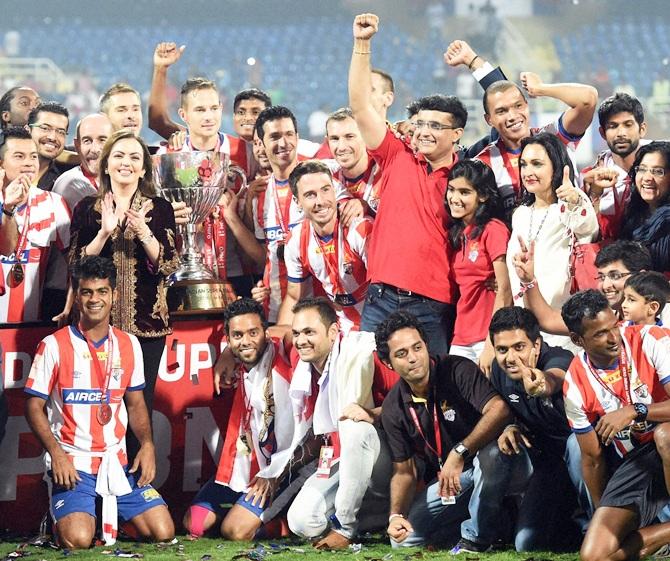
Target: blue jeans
<point>483,488</point>
<point>436,317</point>
<point>544,507</point>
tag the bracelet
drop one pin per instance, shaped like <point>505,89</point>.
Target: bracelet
<point>514,425</point>
<point>7,212</point>
<point>362,52</point>
<point>525,287</point>
<point>396,515</point>
<point>474,58</point>
<point>146,239</point>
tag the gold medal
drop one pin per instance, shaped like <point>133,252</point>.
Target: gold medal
<point>17,274</point>
<point>104,413</point>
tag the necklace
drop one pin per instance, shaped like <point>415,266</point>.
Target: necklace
<point>532,238</point>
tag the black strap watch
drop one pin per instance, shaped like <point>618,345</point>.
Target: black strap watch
<point>641,412</point>
<point>462,450</point>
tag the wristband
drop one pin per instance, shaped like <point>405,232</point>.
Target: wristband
<point>396,515</point>
<point>474,58</point>
<point>146,239</point>
<point>8,212</point>
<point>525,287</point>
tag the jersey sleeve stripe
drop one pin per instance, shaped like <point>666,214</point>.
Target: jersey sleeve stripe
<point>35,393</point>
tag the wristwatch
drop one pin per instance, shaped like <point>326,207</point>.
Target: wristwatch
<point>462,450</point>
<point>641,412</point>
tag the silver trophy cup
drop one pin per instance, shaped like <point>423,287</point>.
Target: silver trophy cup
<point>197,179</point>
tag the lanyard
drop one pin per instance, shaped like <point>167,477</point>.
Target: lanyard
<point>103,380</point>
<point>331,260</point>
<point>192,149</point>
<point>22,242</point>
<point>283,215</point>
<point>92,179</point>
<point>216,237</point>
<point>512,171</point>
<point>624,368</point>
<point>436,428</point>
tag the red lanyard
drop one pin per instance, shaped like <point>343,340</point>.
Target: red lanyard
<point>624,368</point>
<point>331,259</point>
<point>216,148</point>
<point>246,420</point>
<point>436,428</point>
<point>511,170</point>
<point>283,215</point>
<point>103,380</point>
<point>22,243</point>
<point>216,236</point>
<point>92,179</point>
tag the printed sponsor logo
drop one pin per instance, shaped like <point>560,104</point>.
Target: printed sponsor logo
<point>150,495</point>
<point>74,396</point>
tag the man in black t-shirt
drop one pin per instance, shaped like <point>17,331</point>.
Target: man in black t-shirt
<point>441,420</point>
<point>529,375</point>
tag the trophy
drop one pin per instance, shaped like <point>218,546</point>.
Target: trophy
<point>197,179</point>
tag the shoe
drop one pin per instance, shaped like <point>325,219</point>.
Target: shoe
<point>663,553</point>
<point>467,546</point>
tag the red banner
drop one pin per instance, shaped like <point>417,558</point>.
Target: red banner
<point>188,421</point>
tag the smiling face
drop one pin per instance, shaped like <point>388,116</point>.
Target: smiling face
<point>652,179</point>
<point>513,350</point>
<point>536,170</point>
<point>125,166</point>
<point>601,338</point>
<point>312,338</point>
<point>463,199</point>
<point>20,157</point>
<point>245,115</point>
<point>637,309</point>
<point>611,280</point>
<point>345,142</point>
<point>94,130</point>
<point>247,338</point>
<point>623,133</point>
<point>408,356</point>
<point>280,140</point>
<point>94,299</point>
<point>202,112</point>
<point>435,145</point>
<point>509,114</point>
<point>49,132</point>
<point>316,197</point>
<point>125,111</point>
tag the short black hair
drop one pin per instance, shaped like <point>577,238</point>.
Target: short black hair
<point>515,317</point>
<point>652,286</point>
<point>446,104</point>
<point>274,113</point>
<point>583,305</point>
<point>92,267</point>
<point>252,93</point>
<point>305,168</point>
<point>620,103</point>
<point>48,107</point>
<point>322,305</point>
<point>412,108</point>
<point>240,307</point>
<point>6,101</point>
<point>395,322</point>
<point>497,87</point>
<point>12,132</point>
<point>633,255</point>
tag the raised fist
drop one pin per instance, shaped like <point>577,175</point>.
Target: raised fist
<point>459,52</point>
<point>531,82</point>
<point>365,26</point>
<point>166,54</point>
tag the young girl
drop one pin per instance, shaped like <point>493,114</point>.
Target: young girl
<point>479,240</point>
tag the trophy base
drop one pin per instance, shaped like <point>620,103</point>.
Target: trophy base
<point>201,296</point>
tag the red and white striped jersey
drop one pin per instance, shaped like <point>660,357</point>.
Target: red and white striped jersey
<point>266,411</point>
<point>48,225</point>
<point>276,213</point>
<point>63,374</point>
<point>586,399</point>
<point>239,150</point>
<point>505,162</point>
<point>338,263</point>
<point>365,187</point>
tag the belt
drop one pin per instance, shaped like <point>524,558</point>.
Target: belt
<point>400,291</point>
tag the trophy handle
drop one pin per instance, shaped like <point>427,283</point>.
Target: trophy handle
<point>243,176</point>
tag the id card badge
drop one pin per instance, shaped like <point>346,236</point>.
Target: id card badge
<point>448,500</point>
<point>326,462</point>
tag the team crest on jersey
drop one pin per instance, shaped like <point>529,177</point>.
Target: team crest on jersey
<point>348,267</point>
<point>473,252</point>
<point>117,373</point>
<point>447,411</point>
<point>642,391</point>
<point>77,396</point>
<point>76,375</point>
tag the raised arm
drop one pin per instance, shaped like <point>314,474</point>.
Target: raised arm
<point>165,55</point>
<point>459,53</point>
<point>370,123</point>
<point>581,98</point>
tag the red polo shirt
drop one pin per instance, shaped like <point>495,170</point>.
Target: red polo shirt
<point>408,248</point>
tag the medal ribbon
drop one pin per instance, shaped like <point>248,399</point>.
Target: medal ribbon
<point>624,368</point>
<point>436,428</point>
<point>22,242</point>
<point>216,237</point>
<point>505,155</point>
<point>331,260</point>
<point>103,381</point>
<point>282,214</point>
